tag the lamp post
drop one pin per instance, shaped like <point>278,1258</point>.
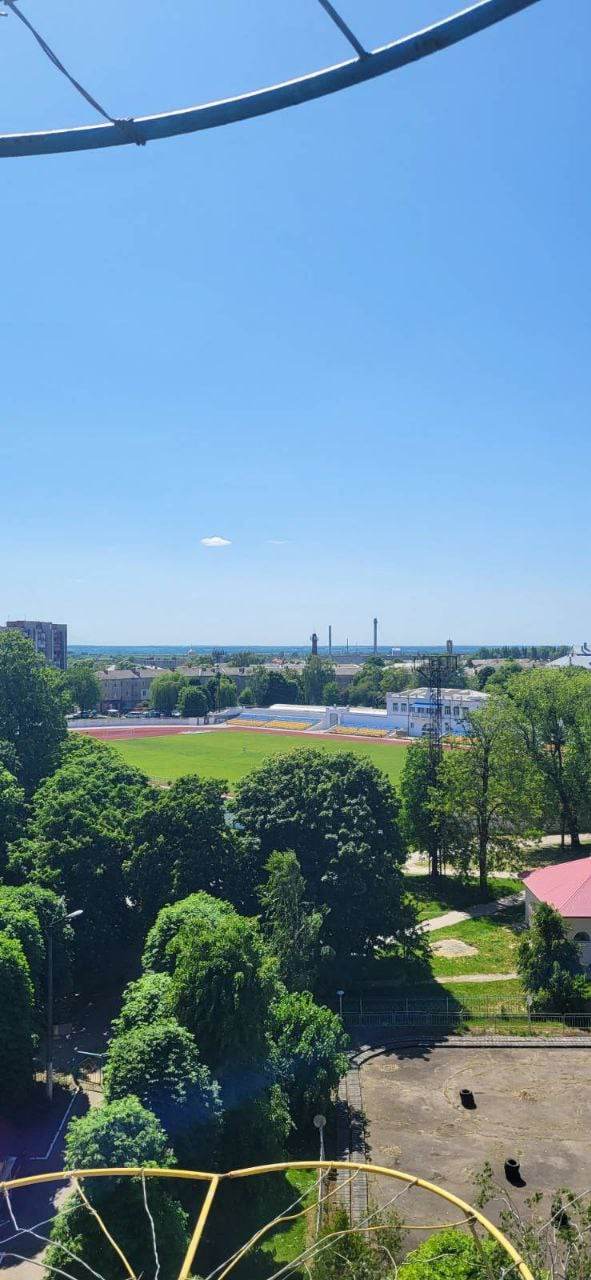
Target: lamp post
<point>319,1123</point>
<point>72,915</point>
<point>340,995</point>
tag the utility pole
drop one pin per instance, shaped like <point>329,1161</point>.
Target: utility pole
<point>73,915</point>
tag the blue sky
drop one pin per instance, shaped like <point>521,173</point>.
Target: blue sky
<point>351,338</point>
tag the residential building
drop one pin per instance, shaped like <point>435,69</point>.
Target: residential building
<point>126,690</point>
<point>50,639</point>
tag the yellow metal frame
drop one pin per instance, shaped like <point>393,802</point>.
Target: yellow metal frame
<point>471,1215</point>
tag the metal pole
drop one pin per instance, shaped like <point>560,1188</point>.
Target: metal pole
<point>49,1043</point>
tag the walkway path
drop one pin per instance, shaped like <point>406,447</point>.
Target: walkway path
<point>480,909</point>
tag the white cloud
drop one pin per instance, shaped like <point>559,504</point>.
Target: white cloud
<point>216,541</point>
<point>277,542</point>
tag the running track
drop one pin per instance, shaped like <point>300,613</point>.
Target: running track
<point>121,733</point>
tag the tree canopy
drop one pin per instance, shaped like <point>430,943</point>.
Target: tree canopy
<point>76,844</point>
<point>339,815</point>
<point>309,1052</point>
<point>158,1063</point>
<point>488,793</point>
<point>161,943</point>
<point>290,923</point>
<point>549,964</point>
<point>224,981</point>
<point>555,709</point>
<point>181,844</point>
<point>118,1134</point>
<point>16,1023</point>
<point>31,714</point>
<point>193,701</point>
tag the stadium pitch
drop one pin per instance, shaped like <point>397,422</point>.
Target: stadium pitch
<point>230,754</point>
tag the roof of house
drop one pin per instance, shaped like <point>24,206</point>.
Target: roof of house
<point>576,658</point>
<point>566,886</point>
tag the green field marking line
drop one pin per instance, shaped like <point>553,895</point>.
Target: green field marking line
<point>231,754</point>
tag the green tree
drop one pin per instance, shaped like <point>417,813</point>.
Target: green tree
<point>548,963</point>
<point>555,709</point>
<point>356,1254</point>
<point>331,694</point>
<point>228,693</point>
<point>339,815</point>
<point>27,912</point>
<point>23,925</point>
<point>82,685</point>
<point>224,981</point>
<point>315,674</point>
<point>16,1023</point>
<point>159,1064</point>
<point>488,793</point>
<point>421,823</point>
<point>149,999</point>
<point>309,1053</point>
<point>164,692</point>
<point>193,701</point>
<point>118,1134</point>
<point>77,843</point>
<point>12,812</point>
<point>292,926</point>
<point>452,1255</point>
<point>274,686</point>
<point>500,678</point>
<point>160,949</point>
<point>31,715</point>
<point>182,844</point>
<point>246,698</point>
<point>366,688</point>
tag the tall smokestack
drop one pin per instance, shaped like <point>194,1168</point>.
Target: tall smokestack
<point>330,641</point>
<point>314,644</point>
<point>375,636</point>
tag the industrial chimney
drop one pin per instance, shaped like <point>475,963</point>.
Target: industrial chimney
<point>375,636</point>
<point>330,641</point>
<point>314,644</point>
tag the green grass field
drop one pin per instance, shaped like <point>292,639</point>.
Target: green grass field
<point>231,754</point>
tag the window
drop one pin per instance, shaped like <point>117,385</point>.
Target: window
<point>403,706</point>
<point>582,937</point>
<point>447,711</point>
<point>395,706</point>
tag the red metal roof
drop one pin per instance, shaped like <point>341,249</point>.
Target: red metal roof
<point>566,886</point>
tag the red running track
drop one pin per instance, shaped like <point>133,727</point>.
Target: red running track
<point>114,733</point>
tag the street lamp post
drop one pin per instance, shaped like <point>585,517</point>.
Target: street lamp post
<point>319,1122</point>
<point>340,995</point>
<point>72,915</point>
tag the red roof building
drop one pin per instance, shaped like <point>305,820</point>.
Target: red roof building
<point>567,888</point>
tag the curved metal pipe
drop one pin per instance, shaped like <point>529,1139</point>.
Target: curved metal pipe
<point>260,102</point>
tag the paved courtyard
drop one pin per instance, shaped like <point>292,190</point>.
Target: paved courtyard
<point>531,1103</point>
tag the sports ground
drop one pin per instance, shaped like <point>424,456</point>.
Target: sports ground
<point>232,753</point>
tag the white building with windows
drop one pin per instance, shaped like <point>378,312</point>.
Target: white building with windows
<point>409,713</point>
<point>412,710</point>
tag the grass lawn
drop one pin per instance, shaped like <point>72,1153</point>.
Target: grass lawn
<point>286,1243</point>
<point>231,754</point>
<point>495,938</point>
<point>453,894</point>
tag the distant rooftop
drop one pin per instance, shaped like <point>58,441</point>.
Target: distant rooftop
<point>578,657</point>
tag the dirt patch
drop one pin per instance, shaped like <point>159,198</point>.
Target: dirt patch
<point>452,948</point>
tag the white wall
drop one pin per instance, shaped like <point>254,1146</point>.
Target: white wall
<point>573,925</point>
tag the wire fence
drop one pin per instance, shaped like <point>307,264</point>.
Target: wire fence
<point>454,1018</point>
